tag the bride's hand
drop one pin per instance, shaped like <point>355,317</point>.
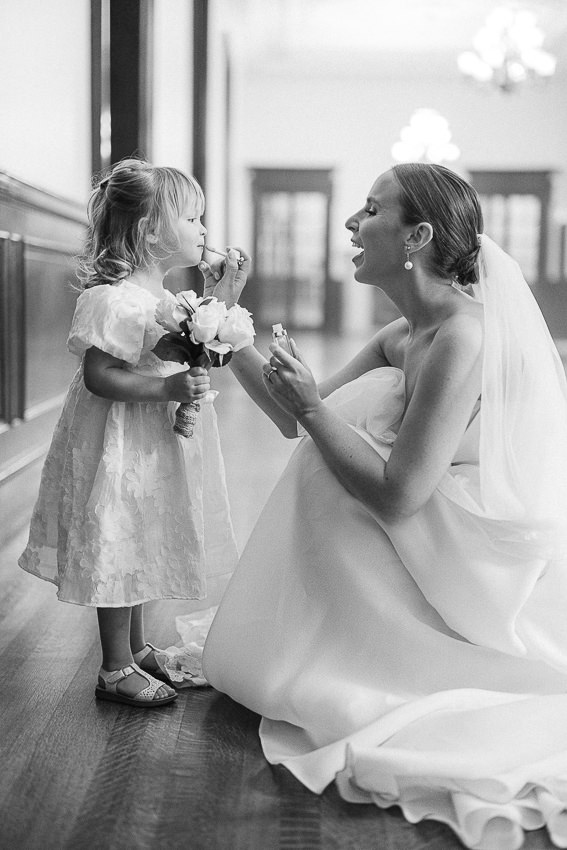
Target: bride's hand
<point>225,279</point>
<point>289,381</point>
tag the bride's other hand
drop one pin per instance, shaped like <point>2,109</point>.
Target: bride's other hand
<point>290,383</point>
<point>225,279</point>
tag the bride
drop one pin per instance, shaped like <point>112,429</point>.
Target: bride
<point>398,617</point>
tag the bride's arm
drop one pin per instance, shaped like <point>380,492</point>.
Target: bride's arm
<point>372,356</point>
<point>433,425</point>
<point>226,280</point>
<point>247,366</point>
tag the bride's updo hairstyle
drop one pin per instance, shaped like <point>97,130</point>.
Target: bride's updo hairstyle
<point>132,214</point>
<point>437,195</point>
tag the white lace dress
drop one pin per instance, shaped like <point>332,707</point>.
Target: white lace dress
<point>127,510</point>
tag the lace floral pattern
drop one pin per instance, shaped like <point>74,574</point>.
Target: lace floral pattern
<point>121,516</point>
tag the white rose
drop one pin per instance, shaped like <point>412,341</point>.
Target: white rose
<point>188,300</point>
<point>206,320</point>
<point>173,309</point>
<point>165,309</point>
<point>238,328</point>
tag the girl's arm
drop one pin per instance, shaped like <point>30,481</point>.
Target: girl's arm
<point>435,420</point>
<point>107,376</point>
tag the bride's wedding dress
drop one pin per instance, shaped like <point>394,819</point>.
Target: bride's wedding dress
<point>421,663</point>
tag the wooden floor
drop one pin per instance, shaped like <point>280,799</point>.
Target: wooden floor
<point>78,773</point>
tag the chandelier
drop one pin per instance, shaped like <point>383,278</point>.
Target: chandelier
<point>507,51</point>
<point>427,138</point>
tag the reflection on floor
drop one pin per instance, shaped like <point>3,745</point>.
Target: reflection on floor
<point>77,773</point>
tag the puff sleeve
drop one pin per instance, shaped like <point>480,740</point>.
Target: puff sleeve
<point>117,318</point>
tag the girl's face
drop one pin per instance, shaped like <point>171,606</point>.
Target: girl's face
<point>190,233</point>
<point>377,228</point>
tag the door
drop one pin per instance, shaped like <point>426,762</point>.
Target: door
<point>290,281</point>
<point>515,205</point>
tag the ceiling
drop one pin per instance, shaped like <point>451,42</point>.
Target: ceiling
<point>356,35</point>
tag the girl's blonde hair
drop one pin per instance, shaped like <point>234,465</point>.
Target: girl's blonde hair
<point>132,214</point>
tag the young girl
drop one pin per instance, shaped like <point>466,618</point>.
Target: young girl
<point>127,511</point>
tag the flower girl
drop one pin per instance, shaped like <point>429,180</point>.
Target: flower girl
<point>128,511</point>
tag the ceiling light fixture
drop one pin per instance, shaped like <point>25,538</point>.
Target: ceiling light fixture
<point>427,138</point>
<point>507,51</point>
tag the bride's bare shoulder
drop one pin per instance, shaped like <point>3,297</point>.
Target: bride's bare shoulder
<point>396,329</point>
<point>393,337</point>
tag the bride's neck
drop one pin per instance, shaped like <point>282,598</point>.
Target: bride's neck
<point>426,302</point>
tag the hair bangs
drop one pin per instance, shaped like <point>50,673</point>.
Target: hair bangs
<point>183,192</point>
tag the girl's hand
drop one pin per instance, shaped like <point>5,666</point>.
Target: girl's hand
<point>225,279</point>
<point>191,385</point>
<point>290,383</point>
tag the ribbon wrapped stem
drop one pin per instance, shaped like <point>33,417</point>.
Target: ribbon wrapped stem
<point>186,417</point>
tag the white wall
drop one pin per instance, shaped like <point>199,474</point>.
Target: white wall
<point>45,94</point>
<point>172,90</point>
<point>350,122</point>
<point>173,106</point>
<point>217,226</point>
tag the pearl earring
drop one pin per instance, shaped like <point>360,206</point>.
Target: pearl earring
<point>408,263</point>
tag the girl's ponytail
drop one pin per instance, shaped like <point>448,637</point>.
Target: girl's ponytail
<point>132,213</point>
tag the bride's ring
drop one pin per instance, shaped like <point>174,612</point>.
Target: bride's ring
<point>269,374</point>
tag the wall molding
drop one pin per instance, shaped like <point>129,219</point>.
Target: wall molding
<point>49,246</point>
<point>16,191</point>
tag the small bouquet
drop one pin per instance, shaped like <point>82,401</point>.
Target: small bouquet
<point>201,332</point>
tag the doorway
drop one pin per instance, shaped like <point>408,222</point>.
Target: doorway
<point>290,281</point>
<point>515,205</point>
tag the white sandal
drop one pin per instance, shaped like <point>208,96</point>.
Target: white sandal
<point>143,653</point>
<point>146,698</point>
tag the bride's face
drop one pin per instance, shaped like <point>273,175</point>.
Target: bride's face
<point>377,229</point>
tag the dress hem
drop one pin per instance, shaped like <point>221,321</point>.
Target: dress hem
<point>110,604</point>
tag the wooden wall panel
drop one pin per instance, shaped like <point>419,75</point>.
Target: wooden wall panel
<point>40,233</point>
<point>12,330</point>
<point>50,299</point>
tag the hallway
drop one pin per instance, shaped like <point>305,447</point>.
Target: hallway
<point>78,773</point>
<point>285,112</point>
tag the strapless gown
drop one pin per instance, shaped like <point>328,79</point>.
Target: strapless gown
<point>421,664</point>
